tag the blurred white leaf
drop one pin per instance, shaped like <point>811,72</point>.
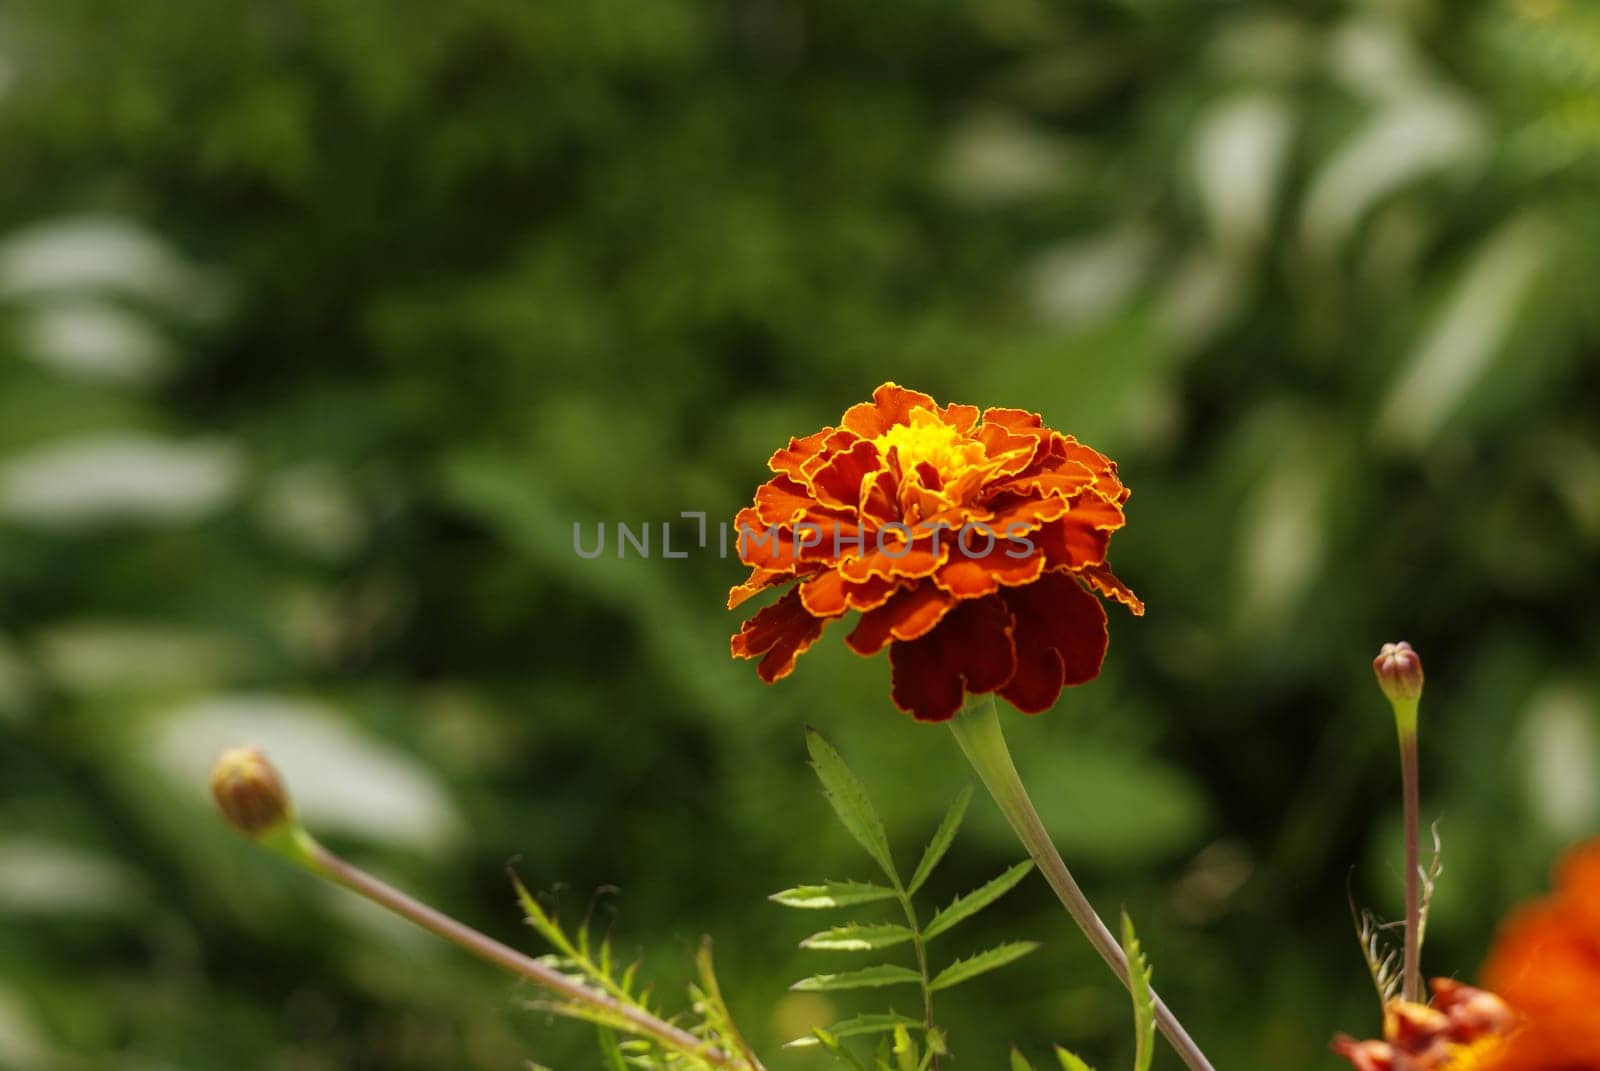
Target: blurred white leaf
<point>22,1041</point>
<point>86,254</point>
<point>1080,281</point>
<point>1419,136</point>
<point>1238,158</point>
<point>995,157</point>
<point>340,778</point>
<point>119,477</point>
<point>94,340</point>
<point>1468,332</point>
<point>311,509</point>
<point>42,877</point>
<point>110,655</point>
<point>1563,760</point>
<point>1284,542</point>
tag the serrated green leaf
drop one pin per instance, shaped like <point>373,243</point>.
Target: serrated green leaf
<point>942,838</point>
<point>882,974</point>
<point>856,937</point>
<point>850,802</point>
<point>963,970</point>
<point>1144,1005</point>
<point>832,894</point>
<point>1019,1062</point>
<point>831,1043</point>
<point>876,1023</point>
<point>1069,1061</point>
<point>964,907</point>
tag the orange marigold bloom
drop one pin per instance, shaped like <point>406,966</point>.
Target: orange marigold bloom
<point>1461,1029</point>
<point>968,544</point>
<point>1546,962</point>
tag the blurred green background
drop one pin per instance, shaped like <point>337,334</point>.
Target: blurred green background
<point>322,322</point>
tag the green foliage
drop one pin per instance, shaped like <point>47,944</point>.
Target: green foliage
<point>1144,1003</point>
<point>622,1043</point>
<point>1144,1012</point>
<point>322,322</point>
<point>851,803</point>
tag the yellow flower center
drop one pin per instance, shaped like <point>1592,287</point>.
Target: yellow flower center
<point>927,438</point>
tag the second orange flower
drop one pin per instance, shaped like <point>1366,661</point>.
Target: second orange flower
<point>968,542</point>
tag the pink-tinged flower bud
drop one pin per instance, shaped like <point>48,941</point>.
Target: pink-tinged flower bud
<point>1399,672</point>
<point>249,792</point>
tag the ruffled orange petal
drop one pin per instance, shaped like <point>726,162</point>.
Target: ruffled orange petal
<point>908,614</point>
<point>891,404</point>
<point>1060,637</point>
<point>781,632</point>
<point>969,577</point>
<point>970,652</point>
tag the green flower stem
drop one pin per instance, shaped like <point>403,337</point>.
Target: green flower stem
<point>292,841</point>
<point>977,730</point>
<point>1411,975</point>
<point>920,946</point>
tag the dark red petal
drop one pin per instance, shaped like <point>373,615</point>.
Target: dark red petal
<point>909,613</point>
<point>782,632</point>
<point>1060,637</point>
<point>970,651</point>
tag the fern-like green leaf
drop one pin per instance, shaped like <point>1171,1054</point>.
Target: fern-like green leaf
<point>882,974</point>
<point>832,894</point>
<point>831,1043</point>
<point>942,838</point>
<point>965,907</point>
<point>875,1023</point>
<point>963,970</point>
<point>850,802</point>
<point>1144,1001</point>
<point>1070,1061</point>
<point>857,937</point>
<point>1018,1061</point>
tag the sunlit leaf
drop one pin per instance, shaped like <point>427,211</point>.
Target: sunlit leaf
<point>882,974</point>
<point>832,894</point>
<point>1070,1061</point>
<point>856,937</point>
<point>1144,1005</point>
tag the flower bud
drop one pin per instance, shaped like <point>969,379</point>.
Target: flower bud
<point>249,792</point>
<point>1399,672</point>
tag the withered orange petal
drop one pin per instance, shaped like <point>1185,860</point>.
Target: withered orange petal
<point>970,651</point>
<point>907,614</point>
<point>1060,637</point>
<point>1103,580</point>
<point>781,632</point>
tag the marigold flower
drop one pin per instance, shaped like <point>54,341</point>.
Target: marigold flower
<point>969,545</point>
<point>1461,1029</point>
<point>1546,962</point>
